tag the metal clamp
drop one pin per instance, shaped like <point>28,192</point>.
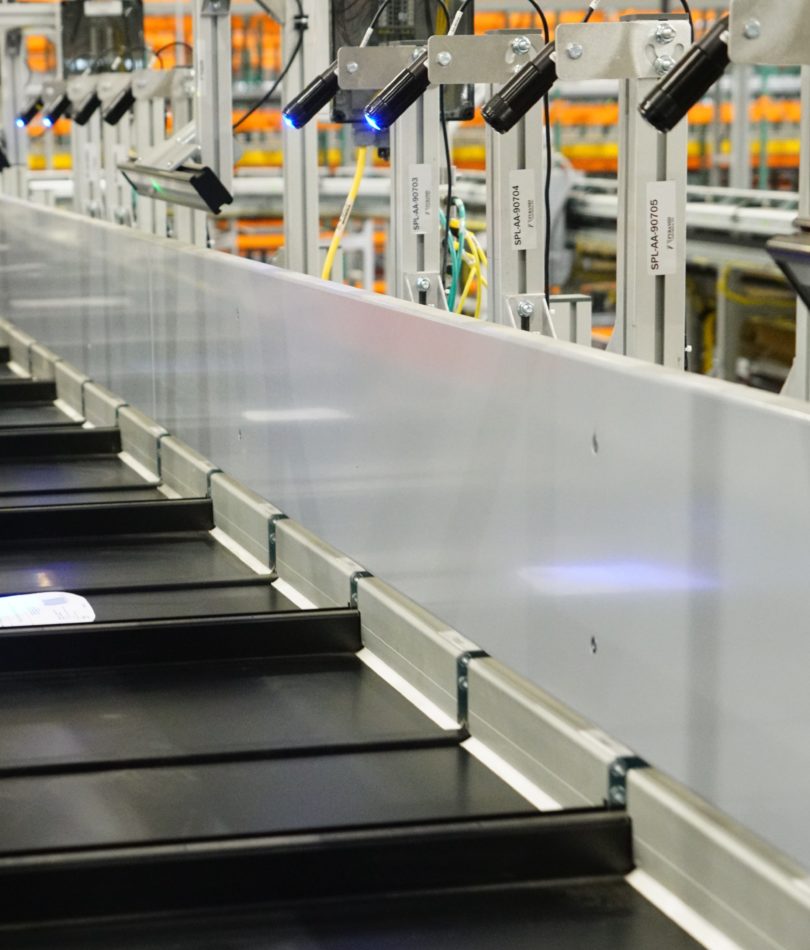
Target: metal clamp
<point>617,779</point>
<point>463,682</point>
<point>271,537</point>
<point>353,581</point>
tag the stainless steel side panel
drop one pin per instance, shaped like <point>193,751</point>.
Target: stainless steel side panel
<point>634,541</point>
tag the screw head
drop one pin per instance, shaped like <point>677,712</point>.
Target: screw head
<point>663,65</point>
<point>664,33</point>
<point>525,309</point>
<point>752,29</point>
<point>423,284</point>
<point>352,67</point>
<point>618,796</point>
<point>521,44</point>
<point>574,50</point>
<point>444,58</point>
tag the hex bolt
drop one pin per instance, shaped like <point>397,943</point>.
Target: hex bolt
<point>663,65</point>
<point>352,67</point>
<point>664,33</point>
<point>525,309</point>
<point>521,44</point>
<point>444,58</point>
<point>752,29</point>
<point>423,284</point>
<point>574,50</point>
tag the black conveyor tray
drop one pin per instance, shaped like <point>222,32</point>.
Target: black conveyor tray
<point>305,793</point>
<point>531,881</point>
<point>127,694</point>
<point>115,547</point>
<point>67,466</point>
<point>30,402</point>
<point>592,915</point>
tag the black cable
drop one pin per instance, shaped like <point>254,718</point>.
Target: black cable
<point>266,9</point>
<point>186,46</point>
<point>547,200</point>
<point>549,165</point>
<point>448,161</point>
<point>276,84</point>
<point>688,12</point>
<point>590,12</point>
<point>449,198</point>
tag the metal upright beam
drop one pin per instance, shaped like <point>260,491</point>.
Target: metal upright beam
<point>740,158</point>
<point>416,197</point>
<point>152,88</point>
<point>13,75</point>
<point>115,145</point>
<point>651,256</point>
<point>300,146</point>
<point>516,224</point>
<point>651,253</point>
<point>213,71</point>
<point>781,40</point>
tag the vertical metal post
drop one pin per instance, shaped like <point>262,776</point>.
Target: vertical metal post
<point>214,97</point>
<point>213,104</point>
<point>416,198</point>
<point>740,158</point>
<point>12,85</point>
<point>152,89</point>
<point>651,226</point>
<point>300,146</point>
<point>516,225</point>
<point>798,381</point>
<point>651,259</point>
<point>115,144</point>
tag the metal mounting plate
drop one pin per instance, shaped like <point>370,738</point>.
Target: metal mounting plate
<point>152,83</point>
<point>770,32</point>
<point>626,50</point>
<point>111,84</point>
<point>376,65</point>
<point>486,59</point>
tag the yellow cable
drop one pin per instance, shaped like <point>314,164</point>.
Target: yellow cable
<point>466,291</point>
<point>748,300</point>
<point>337,237</point>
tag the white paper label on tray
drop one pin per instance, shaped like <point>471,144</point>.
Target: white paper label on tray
<point>660,223</point>
<point>46,609</point>
<point>522,210</point>
<point>421,199</point>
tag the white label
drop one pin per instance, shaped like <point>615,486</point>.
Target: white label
<point>421,199</point>
<point>661,228</point>
<point>103,7</point>
<point>45,609</point>
<point>521,207</point>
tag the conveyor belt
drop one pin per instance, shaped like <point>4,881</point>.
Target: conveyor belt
<point>206,765</point>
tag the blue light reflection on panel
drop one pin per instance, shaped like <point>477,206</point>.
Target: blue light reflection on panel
<point>612,577</point>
